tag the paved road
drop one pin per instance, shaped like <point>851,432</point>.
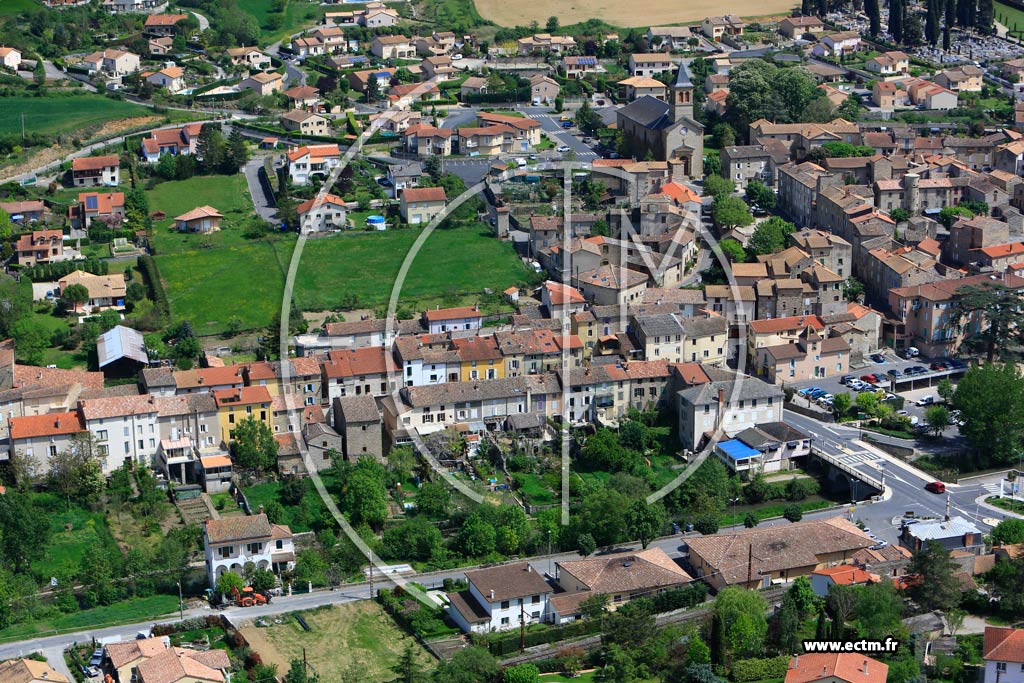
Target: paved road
<point>561,136</point>
<point>204,23</point>
<point>261,200</point>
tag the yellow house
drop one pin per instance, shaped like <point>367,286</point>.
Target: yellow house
<point>479,358</point>
<point>234,405</point>
<point>584,326</point>
<point>261,374</point>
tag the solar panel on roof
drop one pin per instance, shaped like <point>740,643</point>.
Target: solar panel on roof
<point>92,202</point>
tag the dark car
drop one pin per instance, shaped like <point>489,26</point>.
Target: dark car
<point>935,487</point>
<point>846,379</point>
<point>894,373</point>
<point>877,357</point>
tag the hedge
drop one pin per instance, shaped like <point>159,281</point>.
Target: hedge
<point>517,95</point>
<point>680,598</point>
<point>748,670</point>
<point>151,276</point>
<point>216,84</point>
<point>506,644</point>
<point>49,272</point>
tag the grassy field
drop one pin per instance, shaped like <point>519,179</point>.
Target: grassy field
<point>227,194</point>
<point>647,13</point>
<point>1011,17</point>
<point>125,612</point>
<point>67,546</point>
<point>56,115</point>
<point>295,516</point>
<point>356,635</point>
<point>12,7</point>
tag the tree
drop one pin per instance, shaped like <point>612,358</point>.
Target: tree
<point>706,524</point>
<point>587,119</point>
<point>733,250</point>
<point>631,624</point>
<point>408,669</point>
<point>950,214</point>
<point>596,606</point>
<point>75,471</point>
<point>645,522</point>
<point>788,622</point>
<point>995,312</point>
<point>724,135</point>
<point>716,185</point>
<point>253,446</point>
<point>851,107</point>
<point>730,212</point>
<point>1008,532</point>
<point>867,402</point>
<point>853,289</point>
<point>742,615</point>
<point>937,417</point>
<point>74,295</point>
<point>26,530</point>
<point>31,339</point>
<point>750,521</point>
<point>476,538</point>
<point>372,90</point>
<point>433,500</point>
<point>900,215</point>
<point>770,236</point>
<point>794,513</point>
<point>760,89</point>
<point>297,673</point>
<point>986,15</point>
<point>521,673</point>
<point>228,582</point>
<point>841,404</point>
<point>938,587</point>
<point>697,651</point>
<point>990,399</point>
<point>363,496</point>
<point>585,545</point>
<point>760,194</point>
<point>931,23</point>
<point>878,610</point>
<point>874,17</point>
<point>552,25</point>
<point>468,665</point>
<point>896,14</point>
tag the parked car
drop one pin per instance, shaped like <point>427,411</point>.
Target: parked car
<point>935,487</point>
<point>894,373</point>
<point>938,365</point>
<point>562,148</point>
<point>919,369</point>
<point>870,379</point>
<point>926,400</point>
<point>97,657</point>
<point>877,358</point>
<point>846,379</point>
<point>912,352</point>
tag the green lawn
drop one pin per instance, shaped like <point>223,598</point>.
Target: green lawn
<point>533,489</point>
<point>298,517</point>
<point>227,194</point>
<point>68,546</point>
<point>1011,17</point>
<point>125,612</point>
<point>12,7</point>
<point>55,115</point>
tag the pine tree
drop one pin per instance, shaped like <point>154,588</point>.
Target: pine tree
<point>874,17</point>
<point>986,15</point>
<point>931,22</point>
<point>805,7</point>
<point>822,7</point>
<point>821,632</point>
<point>965,10</point>
<point>717,640</point>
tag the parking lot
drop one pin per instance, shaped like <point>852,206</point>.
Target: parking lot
<point>911,388</point>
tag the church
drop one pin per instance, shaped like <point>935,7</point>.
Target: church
<point>666,130</point>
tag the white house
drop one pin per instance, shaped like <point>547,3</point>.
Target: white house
<point>172,78</point>
<point>231,542</point>
<point>822,580</point>
<point>322,216</point>
<point>311,161</point>
<point>732,405</point>
<point>124,429</point>
<point>11,57</point>
<point>1003,653</point>
<point>453,319</point>
<point>500,598</point>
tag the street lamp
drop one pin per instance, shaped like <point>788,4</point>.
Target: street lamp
<point>181,604</point>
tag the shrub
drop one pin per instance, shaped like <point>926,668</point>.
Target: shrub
<point>746,670</point>
<point>793,513</point>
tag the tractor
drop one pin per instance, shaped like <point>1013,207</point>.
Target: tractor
<point>248,597</point>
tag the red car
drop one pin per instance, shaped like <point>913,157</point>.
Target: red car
<point>935,487</point>
<point>870,379</point>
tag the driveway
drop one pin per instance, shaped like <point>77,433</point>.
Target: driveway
<point>259,189</point>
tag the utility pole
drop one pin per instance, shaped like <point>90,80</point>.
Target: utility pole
<point>181,603</point>
<point>23,126</point>
<point>750,563</point>
<point>522,626</point>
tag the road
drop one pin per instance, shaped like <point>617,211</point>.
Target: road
<point>204,23</point>
<point>258,189</point>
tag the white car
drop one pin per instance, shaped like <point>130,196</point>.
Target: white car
<point>456,58</point>
<point>562,148</point>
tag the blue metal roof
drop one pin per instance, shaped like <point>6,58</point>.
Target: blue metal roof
<point>737,450</point>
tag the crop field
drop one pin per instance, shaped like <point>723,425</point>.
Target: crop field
<point>647,13</point>
<point>55,115</point>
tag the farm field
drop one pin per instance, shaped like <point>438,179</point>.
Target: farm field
<point>647,13</point>
<point>55,115</point>
<point>357,634</point>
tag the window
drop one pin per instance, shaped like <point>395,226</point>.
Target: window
<point>253,548</point>
<point>535,600</point>
<point>226,551</point>
<point>504,604</point>
<point>504,621</point>
<point>231,418</point>
<point>101,435</point>
<point>279,544</point>
<point>1001,667</point>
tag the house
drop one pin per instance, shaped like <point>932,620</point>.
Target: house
<point>404,95</point>
<point>121,351</point>
<point>716,28</point>
<point>798,27</point>
<point>96,171</point>
<point>30,671</point>
<point>249,57</point>
<point>303,97</point>
<point>822,580</point>
<point>123,427</point>
<point>105,291</point>
<point>577,66</point>
<point>38,437</point>
<point>404,175</point>
<point>742,164</point>
<point>894,64</point>
<point>171,78</point>
<point>610,285</point>
<point>235,405</point>
<point>204,219</point>
<point>544,42</point>
<point>358,80</point>
<point>153,660</point>
<point>728,403</point>
<point>115,63</point>
<point>835,668</point>
<point>422,204</point>
<point>670,37</point>
<point>331,37</point>
<point>359,423</point>
<point>171,141</point>
<point>163,24</point>
<point>811,356</point>
<point>308,46</point>
<point>965,78</point>
<point>650,64</point>
<point>474,85</point>
<point>560,300</point>
<point>424,140</point>
<point>322,214</point>
<point>932,95</point>
<point>439,68</point>
<point>262,83</point>
<point>621,576</point>
<point>392,47</point>
<point>681,339</point>
<point>886,96</point>
<point>525,131</point>
<point>30,211</point>
<point>834,44</point>
<point>666,130</point>
<point>231,542</point>
<point>306,123</point>
<point>379,17</point>
<point>311,162</point>
<point>543,89</point>
<point>452,319</point>
<point>500,598</point>
<point>10,57</point>
<point>762,556</point>
<point>40,246</point>
<point>1003,652</point>
<point>636,87</point>
<point>764,448</point>
<point>715,102</point>
<point>107,207</point>
<point>953,533</point>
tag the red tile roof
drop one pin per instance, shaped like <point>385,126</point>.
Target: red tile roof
<point>51,424</point>
<point>853,668</point>
<point>95,163</point>
<point>847,575</point>
<point>371,360</point>
<point>424,194</point>
<point>796,322</point>
<point>1004,644</point>
<point>164,19</point>
<point>241,397</point>
<point>452,313</point>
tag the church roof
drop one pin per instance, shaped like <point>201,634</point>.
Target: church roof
<point>682,79</point>
<point>648,111</point>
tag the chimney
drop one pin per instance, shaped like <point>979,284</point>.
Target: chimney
<point>261,508</point>
<point>865,667</point>
<point>721,407</point>
<point>824,671</point>
<point>796,662</point>
<point>492,595</point>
